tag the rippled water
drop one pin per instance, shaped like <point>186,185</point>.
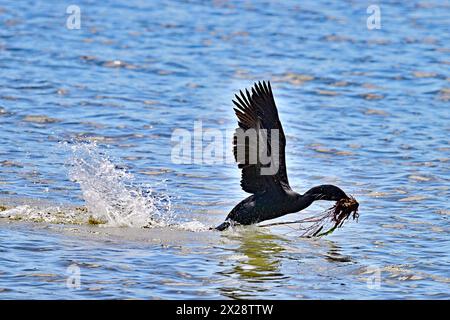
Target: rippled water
<point>367,110</point>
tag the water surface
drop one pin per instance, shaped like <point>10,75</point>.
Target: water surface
<point>367,110</point>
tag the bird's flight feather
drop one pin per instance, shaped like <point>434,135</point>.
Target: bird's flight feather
<point>257,110</point>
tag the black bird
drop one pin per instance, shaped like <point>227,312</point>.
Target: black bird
<point>272,197</point>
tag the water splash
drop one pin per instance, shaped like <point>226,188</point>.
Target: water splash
<point>112,197</point>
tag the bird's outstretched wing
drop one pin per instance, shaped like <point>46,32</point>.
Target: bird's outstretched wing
<point>258,117</point>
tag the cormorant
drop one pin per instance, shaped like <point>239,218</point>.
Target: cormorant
<point>272,197</point>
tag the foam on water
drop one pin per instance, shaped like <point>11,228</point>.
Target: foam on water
<point>194,225</point>
<point>39,212</point>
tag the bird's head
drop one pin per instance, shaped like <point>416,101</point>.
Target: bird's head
<point>326,192</point>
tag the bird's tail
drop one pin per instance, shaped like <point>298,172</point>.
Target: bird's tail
<point>225,225</point>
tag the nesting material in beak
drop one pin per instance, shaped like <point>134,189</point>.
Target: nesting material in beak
<point>336,216</point>
<point>329,220</point>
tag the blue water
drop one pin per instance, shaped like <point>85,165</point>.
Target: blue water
<point>367,110</point>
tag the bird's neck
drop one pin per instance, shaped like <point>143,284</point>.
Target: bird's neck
<point>302,202</point>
